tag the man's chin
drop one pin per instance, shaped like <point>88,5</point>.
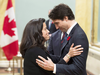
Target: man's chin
<point>61,30</point>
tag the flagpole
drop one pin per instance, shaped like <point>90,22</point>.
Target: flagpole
<point>9,69</point>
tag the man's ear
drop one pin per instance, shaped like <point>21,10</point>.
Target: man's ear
<point>66,18</point>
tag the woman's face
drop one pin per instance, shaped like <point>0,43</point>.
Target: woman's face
<point>45,32</point>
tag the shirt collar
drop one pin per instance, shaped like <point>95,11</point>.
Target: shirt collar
<point>50,20</point>
<point>69,30</point>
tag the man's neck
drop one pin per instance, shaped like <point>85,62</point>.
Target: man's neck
<point>71,22</point>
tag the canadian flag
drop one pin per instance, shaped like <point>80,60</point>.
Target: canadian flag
<point>9,37</point>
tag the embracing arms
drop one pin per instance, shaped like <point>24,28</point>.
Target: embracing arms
<point>49,65</point>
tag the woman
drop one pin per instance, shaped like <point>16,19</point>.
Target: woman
<point>32,44</point>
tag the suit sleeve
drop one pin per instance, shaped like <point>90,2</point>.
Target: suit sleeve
<point>78,65</point>
<point>55,58</point>
<point>50,47</point>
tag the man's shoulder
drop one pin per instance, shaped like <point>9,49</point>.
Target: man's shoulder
<point>47,20</point>
<point>79,29</point>
<point>56,33</point>
<point>78,32</point>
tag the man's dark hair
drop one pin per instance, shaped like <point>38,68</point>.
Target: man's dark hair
<point>32,35</point>
<point>60,11</point>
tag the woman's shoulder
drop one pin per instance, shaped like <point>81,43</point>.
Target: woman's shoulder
<point>34,49</point>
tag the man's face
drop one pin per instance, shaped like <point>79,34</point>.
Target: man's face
<point>61,24</point>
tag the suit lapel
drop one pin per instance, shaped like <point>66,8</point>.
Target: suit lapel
<point>58,41</point>
<point>70,35</point>
<point>64,43</point>
<point>74,28</point>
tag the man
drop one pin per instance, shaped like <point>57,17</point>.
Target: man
<point>50,25</point>
<point>63,18</point>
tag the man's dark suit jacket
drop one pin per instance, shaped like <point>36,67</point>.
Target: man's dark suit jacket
<point>52,28</point>
<point>30,65</point>
<point>77,64</point>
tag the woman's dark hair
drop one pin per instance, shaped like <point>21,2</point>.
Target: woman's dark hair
<point>60,11</point>
<point>32,35</point>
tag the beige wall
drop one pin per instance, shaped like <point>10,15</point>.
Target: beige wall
<point>96,11</point>
<point>3,4</point>
<point>83,15</point>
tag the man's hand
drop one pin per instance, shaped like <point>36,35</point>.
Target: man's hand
<point>45,64</point>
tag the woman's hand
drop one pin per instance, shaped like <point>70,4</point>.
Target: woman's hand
<point>45,64</point>
<point>74,51</point>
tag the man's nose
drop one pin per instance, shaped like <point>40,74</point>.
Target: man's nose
<point>57,27</point>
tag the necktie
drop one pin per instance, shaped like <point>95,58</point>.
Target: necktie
<point>63,38</point>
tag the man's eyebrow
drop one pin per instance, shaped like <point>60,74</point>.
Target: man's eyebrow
<point>55,22</point>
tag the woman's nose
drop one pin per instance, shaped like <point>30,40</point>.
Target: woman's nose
<point>48,31</point>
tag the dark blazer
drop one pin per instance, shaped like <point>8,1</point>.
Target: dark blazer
<point>30,65</point>
<point>77,64</point>
<point>52,28</point>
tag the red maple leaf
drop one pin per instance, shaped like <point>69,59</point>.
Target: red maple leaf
<point>7,27</point>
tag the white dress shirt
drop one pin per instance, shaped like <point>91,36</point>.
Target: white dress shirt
<point>50,22</point>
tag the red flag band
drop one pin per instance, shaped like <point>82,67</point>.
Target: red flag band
<point>9,37</point>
